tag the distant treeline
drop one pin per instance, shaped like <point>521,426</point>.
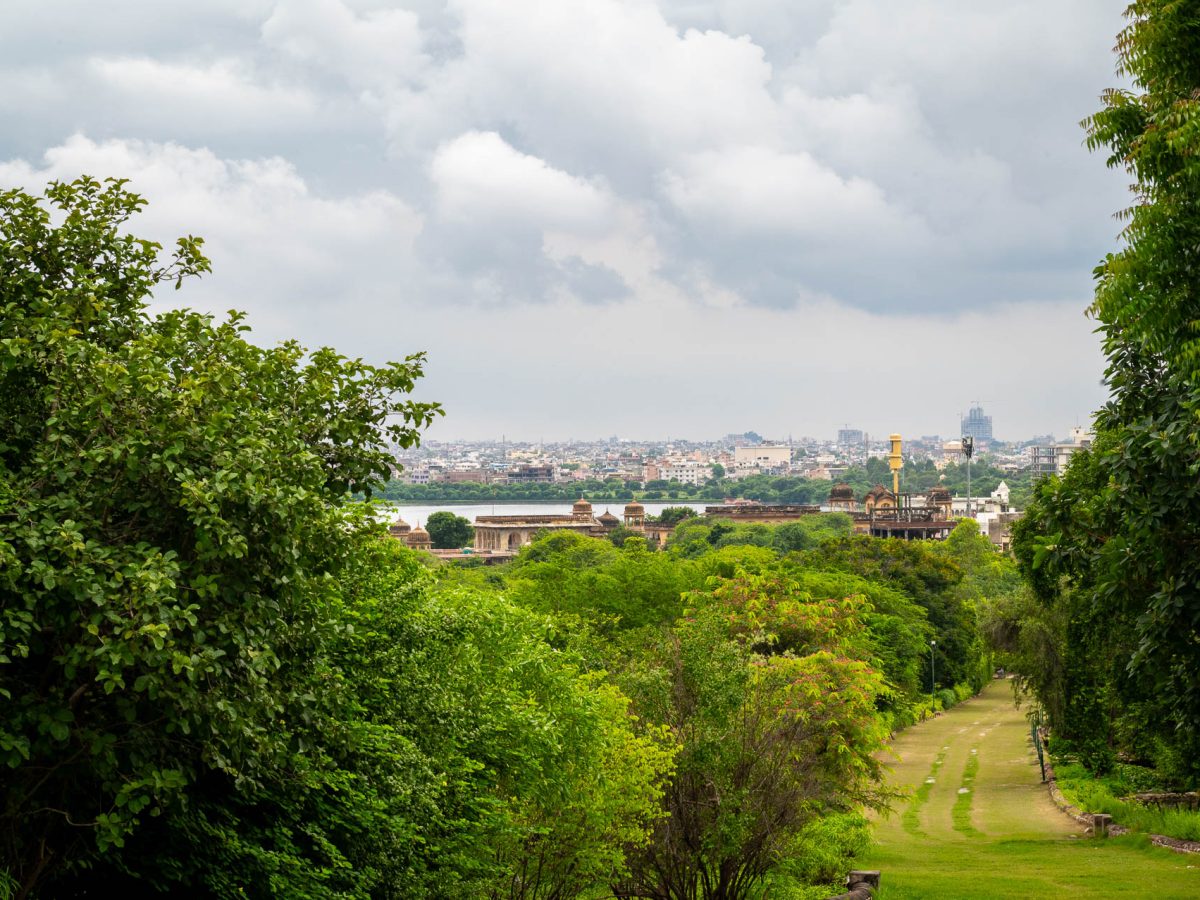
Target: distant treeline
<point>916,476</point>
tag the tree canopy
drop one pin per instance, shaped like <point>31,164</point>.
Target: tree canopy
<point>448,531</point>
<point>1110,547</point>
<point>217,675</point>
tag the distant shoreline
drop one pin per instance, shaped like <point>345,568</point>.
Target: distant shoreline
<point>687,501</point>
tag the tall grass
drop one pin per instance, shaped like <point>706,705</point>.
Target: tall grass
<point>1097,795</point>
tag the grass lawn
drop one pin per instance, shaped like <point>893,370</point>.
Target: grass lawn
<point>979,823</point>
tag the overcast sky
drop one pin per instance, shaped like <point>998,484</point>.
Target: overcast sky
<point>649,219</point>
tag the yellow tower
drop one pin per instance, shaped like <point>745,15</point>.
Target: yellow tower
<point>896,463</point>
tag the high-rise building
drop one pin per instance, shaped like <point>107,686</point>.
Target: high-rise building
<point>849,436</point>
<point>976,425</point>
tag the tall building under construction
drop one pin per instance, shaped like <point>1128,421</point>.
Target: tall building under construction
<point>978,426</point>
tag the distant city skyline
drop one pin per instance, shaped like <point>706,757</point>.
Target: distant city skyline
<point>874,436</point>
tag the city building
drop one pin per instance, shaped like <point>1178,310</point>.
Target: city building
<point>1080,436</point>
<point>1052,459</point>
<point>762,456</point>
<point>978,426</point>
<point>849,437</point>
<point>998,528</point>
<point>530,474</point>
<point>685,472</point>
<point>467,476</point>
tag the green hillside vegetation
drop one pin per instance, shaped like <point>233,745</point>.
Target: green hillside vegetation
<point>222,678</point>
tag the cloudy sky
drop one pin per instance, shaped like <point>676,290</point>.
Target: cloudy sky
<point>638,217</point>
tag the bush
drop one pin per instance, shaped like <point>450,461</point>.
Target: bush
<point>821,855</point>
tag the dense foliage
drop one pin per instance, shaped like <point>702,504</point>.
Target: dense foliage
<point>217,678</point>
<point>221,677</point>
<point>756,646</point>
<point>1112,640</point>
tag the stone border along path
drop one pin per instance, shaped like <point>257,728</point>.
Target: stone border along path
<point>1116,828</point>
<point>979,823</point>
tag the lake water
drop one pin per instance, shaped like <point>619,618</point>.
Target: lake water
<point>415,513</point>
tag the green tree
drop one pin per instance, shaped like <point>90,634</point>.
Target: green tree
<point>922,573</point>
<point>1112,544</point>
<point>718,471</point>
<point>572,574</point>
<point>673,515</point>
<point>170,528</point>
<point>768,741</point>
<point>448,531</point>
<point>217,677</point>
<point>618,535</point>
<point>517,773</point>
<point>811,531</point>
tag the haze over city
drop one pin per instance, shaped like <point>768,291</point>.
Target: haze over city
<point>616,216</point>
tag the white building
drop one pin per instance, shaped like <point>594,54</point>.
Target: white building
<point>1051,459</point>
<point>762,456</point>
<point>686,472</point>
<point>1081,436</point>
<point>417,476</point>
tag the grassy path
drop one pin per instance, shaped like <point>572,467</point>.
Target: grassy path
<point>980,825</point>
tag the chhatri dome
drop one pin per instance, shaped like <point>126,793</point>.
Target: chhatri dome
<point>419,539</point>
<point>581,509</point>
<point>841,491</point>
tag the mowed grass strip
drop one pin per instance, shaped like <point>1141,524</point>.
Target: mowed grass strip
<point>1023,847</point>
<point>961,813</point>
<point>911,819</point>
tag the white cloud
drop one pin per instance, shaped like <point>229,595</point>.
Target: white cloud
<point>756,191</point>
<point>480,176</point>
<point>278,250</point>
<point>596,79</point>
<point>378,48</point>
<point>222,90</point>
